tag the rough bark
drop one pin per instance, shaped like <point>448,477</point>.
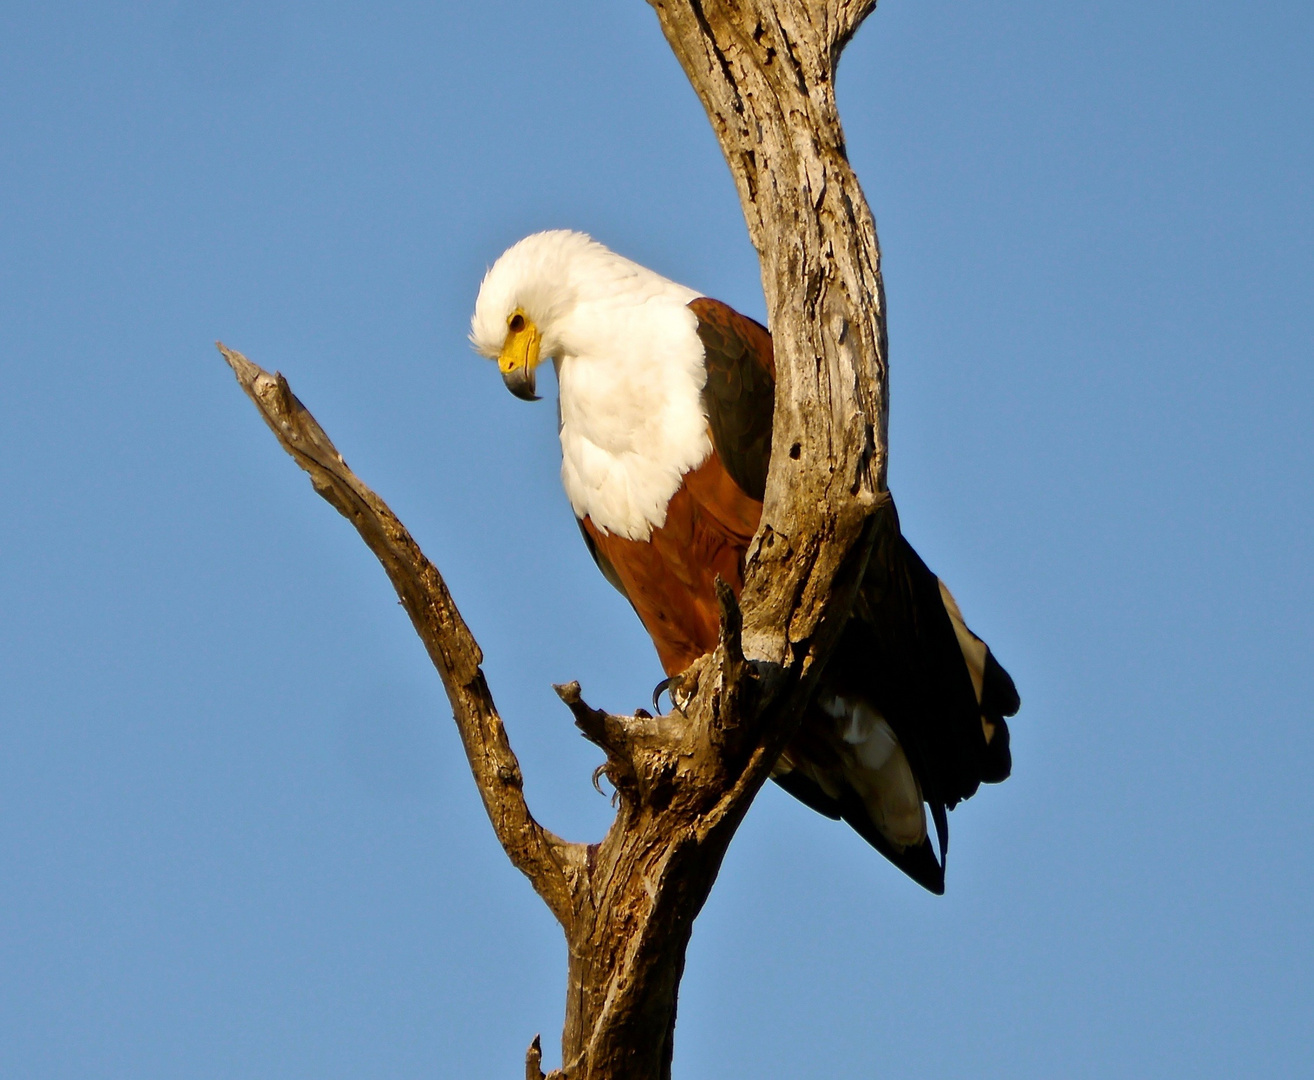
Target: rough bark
<point>765,72</point>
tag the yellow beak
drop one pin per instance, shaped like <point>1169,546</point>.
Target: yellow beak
<point>519,356</point>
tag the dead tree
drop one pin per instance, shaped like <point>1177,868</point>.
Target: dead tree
<point>765,71</point>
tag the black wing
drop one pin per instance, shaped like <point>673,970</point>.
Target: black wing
<point>903,651</point>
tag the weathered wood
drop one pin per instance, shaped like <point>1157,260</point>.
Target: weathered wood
<point>545,859</point>
<point>765,71</point>
<point>627,905</point>
<point>534,1060</point>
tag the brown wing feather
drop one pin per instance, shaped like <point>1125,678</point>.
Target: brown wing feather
<point>740,392</point>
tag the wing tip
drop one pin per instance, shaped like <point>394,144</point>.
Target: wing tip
<point>918,861</point>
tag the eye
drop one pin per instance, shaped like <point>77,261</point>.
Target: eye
<point>516,323</point>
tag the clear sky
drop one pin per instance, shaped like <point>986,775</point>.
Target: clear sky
<point>237,834</point>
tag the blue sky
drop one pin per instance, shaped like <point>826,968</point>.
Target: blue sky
<point>237,835</point>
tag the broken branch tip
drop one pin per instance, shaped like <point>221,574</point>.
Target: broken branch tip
<point>534,1060</point>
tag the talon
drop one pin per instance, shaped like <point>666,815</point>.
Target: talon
<point>664,687</point>
<point>597,773</point>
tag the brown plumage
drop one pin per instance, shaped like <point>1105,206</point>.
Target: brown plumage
<point>905,665</point>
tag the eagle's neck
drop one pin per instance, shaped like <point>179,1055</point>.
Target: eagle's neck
<point>630,372</point>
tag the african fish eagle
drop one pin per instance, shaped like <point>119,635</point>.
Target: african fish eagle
<point>665,404</point>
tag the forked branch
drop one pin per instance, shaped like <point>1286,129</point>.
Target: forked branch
<point>542,857</point>
<point>627,904</point>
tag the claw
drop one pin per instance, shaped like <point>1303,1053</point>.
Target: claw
<point>664,687</point>
<point>598,773</point>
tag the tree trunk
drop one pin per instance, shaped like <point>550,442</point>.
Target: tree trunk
<point>765,71</point>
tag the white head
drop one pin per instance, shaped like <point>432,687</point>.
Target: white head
<point>629,369</point>
<point>525,297</point>
<point>548,297</point>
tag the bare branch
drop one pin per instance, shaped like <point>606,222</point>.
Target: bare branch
<point>732,622</point>
<point>534,1060</point>
<point>607,732</point>
<point>848,16</point>
<point>542,857</point>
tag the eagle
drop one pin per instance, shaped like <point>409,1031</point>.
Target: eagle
<point>665,403</point>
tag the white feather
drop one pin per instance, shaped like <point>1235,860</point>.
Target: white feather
<point>630,371</point>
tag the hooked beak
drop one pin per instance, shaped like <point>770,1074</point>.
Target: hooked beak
<point>520,356</point>
<point>520,381</point>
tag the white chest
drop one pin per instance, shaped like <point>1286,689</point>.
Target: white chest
<point>632,421</point>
